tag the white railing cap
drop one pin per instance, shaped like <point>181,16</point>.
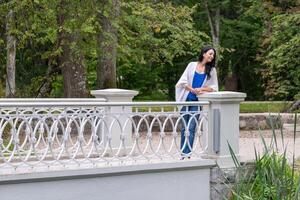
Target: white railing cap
<point>113,92</point>
<point>224,96</point>
<point>96,103</point>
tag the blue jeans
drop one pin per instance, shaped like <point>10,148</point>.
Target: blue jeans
<point>190,115</point>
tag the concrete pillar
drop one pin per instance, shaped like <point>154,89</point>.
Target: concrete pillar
<point>116,116</point>
<point>223,125</point>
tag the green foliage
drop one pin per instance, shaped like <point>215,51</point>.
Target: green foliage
<point>240,33</point>
<point>282,73</point>
<point>273,177</point>
<point>152,37</point>
<point>156,42</point>
<point>35,33</point>
<point>37,28</point>
<point>57,86</point>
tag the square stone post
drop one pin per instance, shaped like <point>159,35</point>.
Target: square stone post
<point>223,125</point>
<point>117,114</point>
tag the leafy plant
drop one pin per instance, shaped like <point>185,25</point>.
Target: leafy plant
<point>282,72</point>
<point>273,176</point>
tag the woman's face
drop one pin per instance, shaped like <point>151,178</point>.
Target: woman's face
<point>209,55</point>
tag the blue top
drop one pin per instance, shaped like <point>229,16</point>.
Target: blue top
<point>197,82</point>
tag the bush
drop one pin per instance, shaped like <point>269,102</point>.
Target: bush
<point>273,176</point>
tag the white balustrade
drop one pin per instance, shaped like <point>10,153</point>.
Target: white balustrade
<point>54,134</point>
<point>41,135</point>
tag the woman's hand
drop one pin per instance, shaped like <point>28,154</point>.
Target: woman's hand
<point>189,88</point>
<point>193,90</point>
<point>203,90</point>
<point>199,91</point>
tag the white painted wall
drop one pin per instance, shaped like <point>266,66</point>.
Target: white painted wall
<point>168,181</point>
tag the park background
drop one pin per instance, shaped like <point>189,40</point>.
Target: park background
<point>64,48</point>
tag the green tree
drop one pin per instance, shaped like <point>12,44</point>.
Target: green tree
<point>71,59</point>
<point>31,31</point>
<point>153,38</point>
<point>241,32</point>
<point>282,61</point>
<point>237,30</point>
<point>49,35</point>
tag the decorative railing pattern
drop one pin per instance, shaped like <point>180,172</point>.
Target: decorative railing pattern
<point>41,135</point>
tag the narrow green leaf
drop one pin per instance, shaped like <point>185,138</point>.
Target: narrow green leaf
<point>233,156</point>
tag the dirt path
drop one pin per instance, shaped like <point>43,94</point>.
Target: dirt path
<point>251,139</point>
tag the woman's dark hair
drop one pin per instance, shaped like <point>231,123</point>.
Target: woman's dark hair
<point>210,65</point>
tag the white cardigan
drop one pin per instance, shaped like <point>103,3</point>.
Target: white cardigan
<point>187,79</point>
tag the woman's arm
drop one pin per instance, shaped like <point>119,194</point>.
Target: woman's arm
<point>190,89</point>
<point>211,85</point>
<point>203,90</point>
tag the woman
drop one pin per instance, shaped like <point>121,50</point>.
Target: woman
<point>198,77</point>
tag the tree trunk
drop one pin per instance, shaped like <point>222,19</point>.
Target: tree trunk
<point>231,80</point>
<point>71,63</point>
<point>73,71</point>
<point>231,83</point>
<point>213,16</point>
<point>11,57</point>
<point>107,45</point>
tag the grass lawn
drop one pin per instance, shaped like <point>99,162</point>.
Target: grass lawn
<point>265,106</point>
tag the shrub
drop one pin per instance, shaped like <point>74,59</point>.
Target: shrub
<point>273,176</point>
